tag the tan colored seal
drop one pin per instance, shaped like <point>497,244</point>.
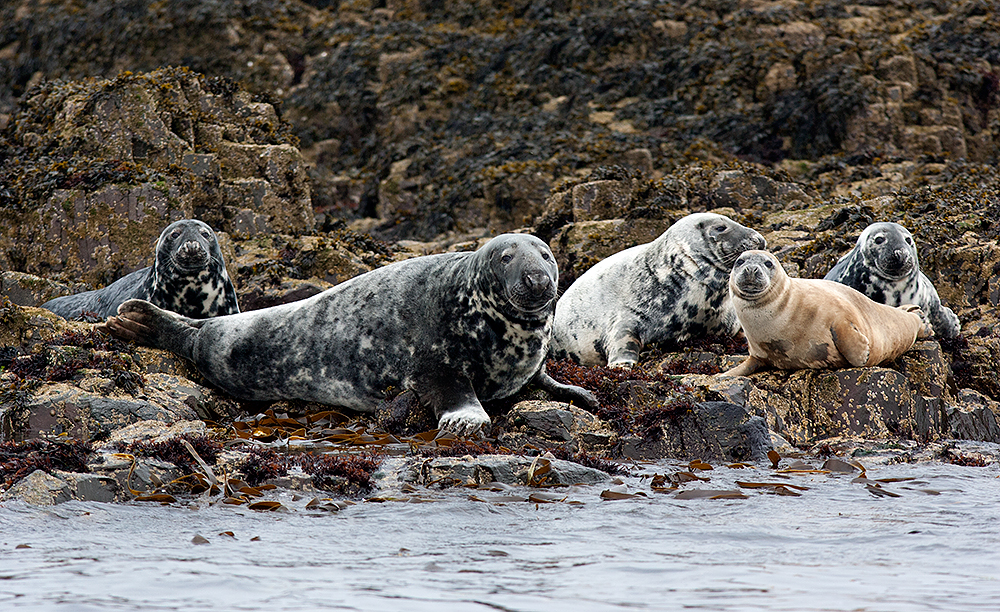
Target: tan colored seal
<point>797,323</point>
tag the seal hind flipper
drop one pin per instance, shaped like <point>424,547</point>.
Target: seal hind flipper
<point>928,326</point>
<point>143,323</point>
<point>565,393</point>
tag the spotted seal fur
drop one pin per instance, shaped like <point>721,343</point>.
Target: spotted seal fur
<point>798,323</point>
<point>456,328</point>
<point>188,276</point>
<point>883,265</point>
<point>673,288</point>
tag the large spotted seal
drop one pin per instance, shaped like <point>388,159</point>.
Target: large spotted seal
<point>796,323</point>
<point>883,266</point>
<point>673,288</point>
<point>188,276</point>
<point>456,328</point>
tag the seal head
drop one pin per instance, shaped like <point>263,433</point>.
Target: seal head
<point>673,288</point>
<point>188,276</point>
<point>884,266</point>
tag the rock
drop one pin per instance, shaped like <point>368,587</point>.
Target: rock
<point>555,424</point>
<point>973,417</point>
<point>739,190</point>
<point>40,489</point>
<point>709,431</point>
<point>145,476</point>
<point>134,145</point>
<point>154,431</point>
<point>60,408</point>
<point>506,469</point>
<point>90,487</point>
<point>29,290</point>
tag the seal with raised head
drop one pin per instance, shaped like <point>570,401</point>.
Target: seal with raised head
<point>188,276</point>
<point>456,328</point>
<point>798,323</point>
<point>883,266</point>
<point>673,288</point>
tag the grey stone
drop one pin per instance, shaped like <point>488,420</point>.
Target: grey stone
<point>555,424</point>
<point>506,469</point>
<point>719,431</point>
<point>91,487</point>
<point>39,488</point>
<point>973,417</point>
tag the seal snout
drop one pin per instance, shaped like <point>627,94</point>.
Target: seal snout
<point>191,255</point>
<point>897,263</point>
<point>537,282</point>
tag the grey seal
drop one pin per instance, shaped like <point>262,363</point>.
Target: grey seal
<point>188,276</point>
<point>799,323</point>
<point>883,265</point>
<point>673,288</point>
<point>456,328</point>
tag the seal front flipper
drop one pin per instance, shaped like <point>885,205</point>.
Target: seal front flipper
<point>851,343</point>
<point>623,349</point>
<point>749,365</point>
<point>455,405</point>
<point>565,393</point>
<point>143,323</point>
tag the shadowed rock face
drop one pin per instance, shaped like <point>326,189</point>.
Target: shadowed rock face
<point>415,112</point>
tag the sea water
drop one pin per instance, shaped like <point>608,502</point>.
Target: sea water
<point>838,546</point>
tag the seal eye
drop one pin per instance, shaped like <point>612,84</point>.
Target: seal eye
<point>879,239</point>
<point>768,264</point>
<point>175,234</point>
<point>506,259</point>
<point>546,257</point>
<point>909,240</point>
<point>206,233</point>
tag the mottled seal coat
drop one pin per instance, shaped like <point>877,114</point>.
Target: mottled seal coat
<point>796,323</point>
<point>457,329</point>
<point>673,288</point>
<point>188,276</point>
<point>883,266</point>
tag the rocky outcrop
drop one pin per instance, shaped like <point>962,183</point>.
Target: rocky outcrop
<point>437,124</point>
<point>98,169</point>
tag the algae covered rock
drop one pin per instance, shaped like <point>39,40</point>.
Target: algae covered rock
<point>99,167</point>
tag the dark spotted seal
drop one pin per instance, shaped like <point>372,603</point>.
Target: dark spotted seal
<point>673,288</point>
<point>188,276</point>
<point>457,329</point>
<point>883,266</point>
<point>798,323</point>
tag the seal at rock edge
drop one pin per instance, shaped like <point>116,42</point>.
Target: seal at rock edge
<point>188,276</point>
<point>883,266</point>
<point>456,328</point>
<point>673,288</point>
<point>797,323</point>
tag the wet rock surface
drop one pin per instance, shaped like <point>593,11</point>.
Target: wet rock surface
<point>323,140</point>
